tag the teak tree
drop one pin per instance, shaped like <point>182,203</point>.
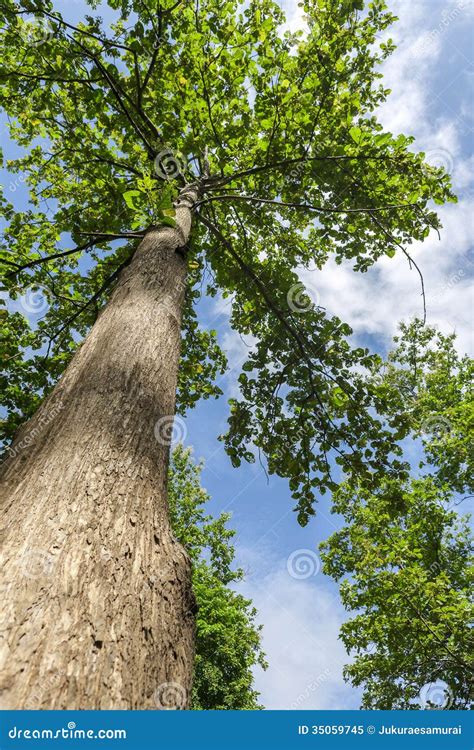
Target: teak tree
<point>166,148</point>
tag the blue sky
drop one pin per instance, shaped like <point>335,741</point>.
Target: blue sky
<point>432,79</point>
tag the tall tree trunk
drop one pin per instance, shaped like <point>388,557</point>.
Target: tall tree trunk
<point>97,601</point>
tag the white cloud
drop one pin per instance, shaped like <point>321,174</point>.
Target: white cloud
<point>295,16</point>
<point>422,35</point>
<point>374,302</point>
<point>300,638</point>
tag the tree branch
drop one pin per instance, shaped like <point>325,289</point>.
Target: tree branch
<point>59,19</point>
<point>394,241</point>
<point>54,256</point>
<point>46,79</point>
<point>301,206</point>
<point>216,182</point>
<point>410,260</point>
<point>64,253</point>
<point>281,317</point>
<point>89,302</point>
<point>118,92</point>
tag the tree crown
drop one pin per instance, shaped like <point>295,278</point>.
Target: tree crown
<point>112,118</point>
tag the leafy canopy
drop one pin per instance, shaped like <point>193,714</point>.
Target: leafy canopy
<point>114,115</point>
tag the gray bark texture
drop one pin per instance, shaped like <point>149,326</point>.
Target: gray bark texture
<point>97,606</point>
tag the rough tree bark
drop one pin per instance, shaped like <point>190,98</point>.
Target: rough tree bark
<point>97,601</point>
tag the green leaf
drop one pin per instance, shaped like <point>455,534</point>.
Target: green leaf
<point>129,196</point>
<point>356,134</point>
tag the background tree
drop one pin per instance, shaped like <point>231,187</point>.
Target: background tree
<point>227,638</point>
<point>405,553</point>
<point>237,154</point>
